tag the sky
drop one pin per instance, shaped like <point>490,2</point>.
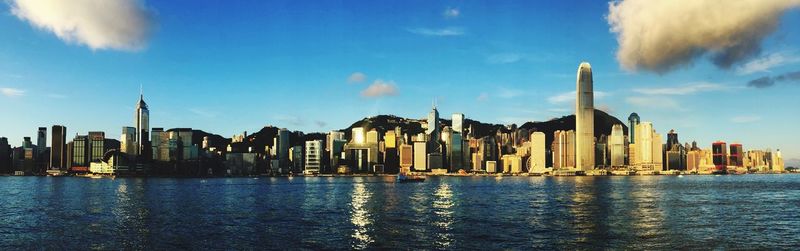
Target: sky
<point>709,72</point>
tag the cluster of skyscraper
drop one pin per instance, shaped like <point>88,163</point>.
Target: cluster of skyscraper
<point>437,148</point>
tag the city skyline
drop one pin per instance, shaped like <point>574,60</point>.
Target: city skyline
<point>248,75</point>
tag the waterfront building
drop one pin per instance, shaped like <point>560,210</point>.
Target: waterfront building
<point>420,154</point>
<point>456,152</point>
<point>313,159</point>
<point>633,121</point>
<point>142,123</point>
<point>81,156</point>
<point>433,130</point>
<point>41,140</point>
<point>736,157</point>
<point>336,151</point>
<point>5,155</point>
<point>332,135</point>
<point>647,152</point>
<point>128,141</point>
<point>512,163</point>
<point>406,158</point>
<point>157,137</point>
<point>584,119</point>
<point>283,152</point>
<point>58,148</point>
<point>358,136</point>
<point>720,155</point>
<point>538,153</point>
<point>96,145</point>
<point>491,166</point>
<point>391,155</point>
<point>693,160</point>
<point>563,149</point>
<point>601,155</point>
<point>435,162</point>
<point>616,146</point>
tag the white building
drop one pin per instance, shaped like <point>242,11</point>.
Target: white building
<point>313,157</point>
<point>616,145</point>
<point>420,162</point>
<point>538,153</point>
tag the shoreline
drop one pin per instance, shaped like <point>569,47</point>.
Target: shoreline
<point>607,174</point>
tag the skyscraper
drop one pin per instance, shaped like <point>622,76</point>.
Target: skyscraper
<point>5,155</point>
<point>283,150</point>
<point>142,122</point>
<point>458,123</point>
<point>633,120</point>
<point>96,145</point>
<point>433,130</point>
<point>584,119</point>
<point>41,140</point>
<point>537,158</point>
<point>616,145</point>
<point>58,150</point>
<point>128,141</point>
<point>313,158</point>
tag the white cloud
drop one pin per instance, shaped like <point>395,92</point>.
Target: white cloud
<point>765,63</point>
<point>380,88</point>
<point>745,119</point>
<point>687,89</point>
<point>451,13</point>
<point>356,77</point>
<point>445,32</point>
<point>98,24</point>
<point>504,58</point>
<point>570,97</point>
<point>654,102</point>
<point>663,35</point>
<point>11,92</point>
<point>483,97</point>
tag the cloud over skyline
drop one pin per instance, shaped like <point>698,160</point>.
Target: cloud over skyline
<point>356,77</point>
<point>99,24</point>
<point>729,33</point>
<point>380,88</point>
<point>686,89</point>
<point>451,13</point>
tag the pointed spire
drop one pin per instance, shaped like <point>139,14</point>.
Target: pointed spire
<point>141,92</point>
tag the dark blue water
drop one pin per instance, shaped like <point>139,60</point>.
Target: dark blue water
<point>648,212</point>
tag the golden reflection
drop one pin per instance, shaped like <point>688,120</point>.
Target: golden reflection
<point>360,216</point>
<point>581,208</point>
<point>442,206</point>
<point>648,218</point>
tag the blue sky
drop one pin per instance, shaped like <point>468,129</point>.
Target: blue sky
<point>226,67</point>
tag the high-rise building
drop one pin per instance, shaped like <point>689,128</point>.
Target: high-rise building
<point>283,150</point>
<point>434,135</point>
<point>719,152</point>
<point>563,150</point>
<point>142,122</point>
<point>80,153</point>
<point>333,135</point>
<point>58,148</point>
<point>538,154</point>
<point>313,159</point>
<point>406,158</point>
<point>128,141</point>
<point>96,146</point>
<point>736,156</point>
<point>5,156</point>
<point>647,153</point>
<point>633,121</point>
<point>616,145</point>
<point>41,140</point>
<point>456,152</point>
<point>458,123</point>
<point>420,153</point>
<point>584,119</point>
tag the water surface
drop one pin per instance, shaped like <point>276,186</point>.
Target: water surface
<point>643,212</point>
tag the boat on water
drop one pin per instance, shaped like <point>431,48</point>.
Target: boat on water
<point>401,177</point>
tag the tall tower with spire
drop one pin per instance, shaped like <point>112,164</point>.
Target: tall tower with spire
<point>142,121</point>
<point>433,127</point>
<point>584,119</point>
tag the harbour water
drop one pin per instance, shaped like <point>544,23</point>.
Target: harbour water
<point>620,212</point>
